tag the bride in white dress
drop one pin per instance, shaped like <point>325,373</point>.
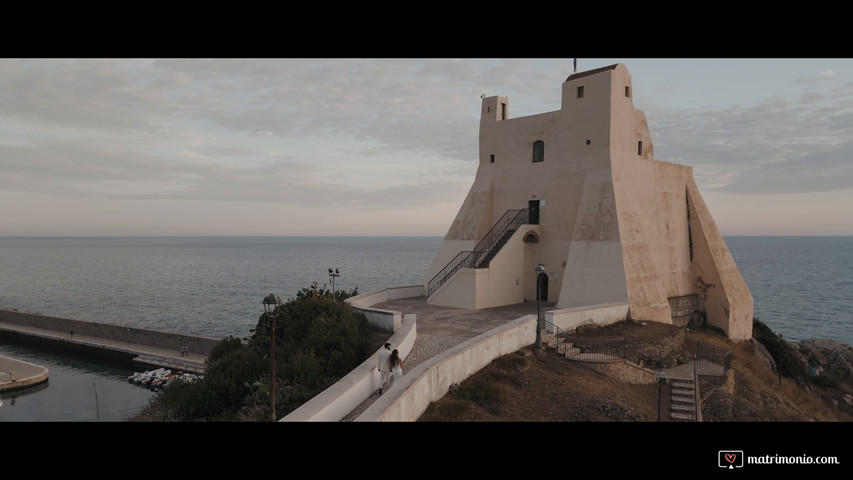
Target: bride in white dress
<point>396,365</point>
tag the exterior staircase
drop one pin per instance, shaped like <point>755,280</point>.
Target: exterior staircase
<point>484,251</point>
<point>683,388</point>
<point>487,257</point>
<point>683,400</point>
<point>551,338</point>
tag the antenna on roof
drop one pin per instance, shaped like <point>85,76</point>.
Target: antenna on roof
<point>576,65</point>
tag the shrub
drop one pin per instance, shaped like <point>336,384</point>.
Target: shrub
<point>319,339</point>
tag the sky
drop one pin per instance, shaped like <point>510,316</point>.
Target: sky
<point>387,146</point>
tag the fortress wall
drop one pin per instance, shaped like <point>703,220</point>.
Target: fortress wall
<point>728,303</point>
<point>594,271</point>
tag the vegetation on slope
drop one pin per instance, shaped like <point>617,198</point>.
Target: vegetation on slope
<point>318,339</point>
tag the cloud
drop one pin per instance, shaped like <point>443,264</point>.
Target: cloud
<point>396,136</point>
<point>772,146</point>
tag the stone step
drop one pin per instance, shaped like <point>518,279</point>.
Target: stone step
<point>682,416</point>
<point>572,351</point>
<point>683,400</point>
<point>683,407</point>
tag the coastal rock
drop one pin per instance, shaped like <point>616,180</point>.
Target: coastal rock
<point>826,355</point>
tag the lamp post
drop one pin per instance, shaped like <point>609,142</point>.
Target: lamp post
<point>540,270</point>
<point>661,376</point>
<point>333,275</point>
<point>271,303</point>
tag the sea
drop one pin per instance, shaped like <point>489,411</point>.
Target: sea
<point>214,287</point>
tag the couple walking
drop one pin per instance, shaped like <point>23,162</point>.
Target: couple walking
<point>390,364</point>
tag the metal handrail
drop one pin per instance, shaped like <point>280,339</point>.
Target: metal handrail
<point>473,258</point>
<point>697,399</point>
<point>599,349</point>
<point>717,360</point>
<point>510,219</point>
<point>553,329</point>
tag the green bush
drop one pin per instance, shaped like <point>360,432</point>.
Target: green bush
<point>319,339</point>
<point>787,363</point>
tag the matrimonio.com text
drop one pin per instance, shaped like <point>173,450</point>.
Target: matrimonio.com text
<point>732,459</point>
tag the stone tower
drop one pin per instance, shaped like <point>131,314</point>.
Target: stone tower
<point>579,191</point>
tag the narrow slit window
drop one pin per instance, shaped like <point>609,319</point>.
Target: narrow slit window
<point>538,151</point>
<point>639,148</point>
<point>580,92</point>
<point>492,158</point>
<point>627,91</point>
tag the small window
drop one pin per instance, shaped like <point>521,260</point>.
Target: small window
<point>492,158</point>
<point>627,91</point>
<point>503,111</point>
<point>538,151</point>
<point>580,92</point>
<point>639,148</point>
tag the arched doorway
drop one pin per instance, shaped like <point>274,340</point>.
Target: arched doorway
<point>532,256</point>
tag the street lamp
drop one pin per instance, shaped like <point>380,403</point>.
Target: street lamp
<point>540,270</point>
<point>333,275</point>
<point>271,302</point>
<point>661,376</point>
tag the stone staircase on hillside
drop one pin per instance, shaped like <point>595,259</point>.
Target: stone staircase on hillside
<point>682,391</point>
<point>551,338</point>
<point>683,400</point>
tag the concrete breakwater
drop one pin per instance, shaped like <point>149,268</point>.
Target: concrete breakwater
<point>116,342</point>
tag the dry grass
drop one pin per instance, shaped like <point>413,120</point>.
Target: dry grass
<point>518,388</point>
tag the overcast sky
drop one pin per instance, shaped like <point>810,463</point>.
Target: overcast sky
<point>388,146</point>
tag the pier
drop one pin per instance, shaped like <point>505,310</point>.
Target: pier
<point>142,347</point>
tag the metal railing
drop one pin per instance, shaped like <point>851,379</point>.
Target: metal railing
<point>465,259</point>
<point>598,349</point>
<point>493,240</point>
<point>509,222</point>
<point>712,360</point>
<point>554,337</point>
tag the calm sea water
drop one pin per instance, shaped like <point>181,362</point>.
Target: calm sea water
<point>208,286</point>
<point>213,286</point>
<point>802,286</point>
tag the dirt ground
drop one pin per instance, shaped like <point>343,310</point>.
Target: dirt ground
<point>548,387</point>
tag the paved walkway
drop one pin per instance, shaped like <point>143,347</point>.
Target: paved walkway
<point>441,328</point>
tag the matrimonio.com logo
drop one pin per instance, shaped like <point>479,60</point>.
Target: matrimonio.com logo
<point>730,459</point>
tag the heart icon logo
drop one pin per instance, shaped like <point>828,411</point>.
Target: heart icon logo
<point>730,457</point>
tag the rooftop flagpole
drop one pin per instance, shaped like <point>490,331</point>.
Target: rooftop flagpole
<point>576,65</point>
